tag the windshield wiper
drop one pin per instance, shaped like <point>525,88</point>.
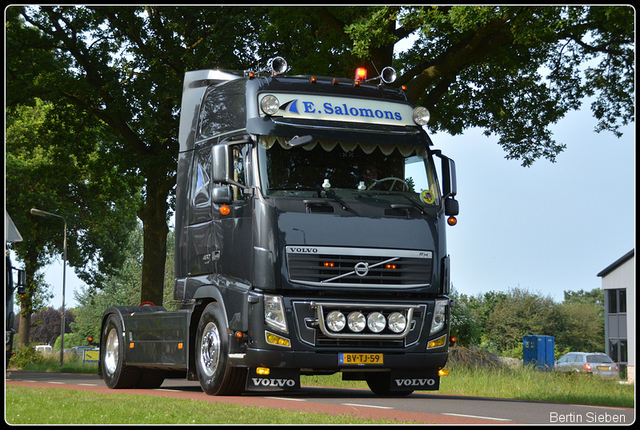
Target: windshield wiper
<point>413,202</point>
<point>331,194</point>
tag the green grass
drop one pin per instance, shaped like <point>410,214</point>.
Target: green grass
<point>530,384</point>
<point>27,405</point>
<point>69,365</point>
<point>520,383</point>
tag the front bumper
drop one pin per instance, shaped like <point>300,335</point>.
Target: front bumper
<point>313,361</point>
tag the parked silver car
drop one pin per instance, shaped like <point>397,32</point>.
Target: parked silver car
<point>595,363</point>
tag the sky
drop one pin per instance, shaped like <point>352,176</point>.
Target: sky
<point>547,228</point>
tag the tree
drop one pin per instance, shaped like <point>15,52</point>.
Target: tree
<point>464,325</point>
<point>45,325</point>
<point>581,321</point>
<point>472,66</point>
<point>57,162</point>
<point>520,313</point>
<point>512,71</point>
<point>580,327</point>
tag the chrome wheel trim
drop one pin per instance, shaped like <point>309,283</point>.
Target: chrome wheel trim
<point>210,349</point>
<point>111,352</point>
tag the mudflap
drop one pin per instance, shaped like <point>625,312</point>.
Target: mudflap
<point>276,380</point>
<point>403,380</point>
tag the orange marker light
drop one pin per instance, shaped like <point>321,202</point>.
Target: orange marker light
<point>390,266</point>
<point>452,221</point>
<point>361,74</point>
<point>225,210</point>
<point>329,264</point>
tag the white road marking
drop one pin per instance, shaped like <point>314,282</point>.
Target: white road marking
<point>476,416</point>
<point>286,398</point>
<point>366,406</point>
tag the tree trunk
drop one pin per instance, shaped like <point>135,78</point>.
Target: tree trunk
<point>26,309</point>
<point>155,231</point>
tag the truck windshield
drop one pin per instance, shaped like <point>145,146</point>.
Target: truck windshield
<point>348,170</point>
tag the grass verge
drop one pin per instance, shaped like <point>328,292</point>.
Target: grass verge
<point>522,383</point>
<point>27,405</point>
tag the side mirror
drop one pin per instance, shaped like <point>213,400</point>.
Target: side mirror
<point>222,195</point>
<point>449,184</point>
<point>22,278</point>
<point>221,158</point>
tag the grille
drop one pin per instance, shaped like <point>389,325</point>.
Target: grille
<point>359,267</point>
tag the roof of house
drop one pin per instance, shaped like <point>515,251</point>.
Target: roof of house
<point>619,262</point>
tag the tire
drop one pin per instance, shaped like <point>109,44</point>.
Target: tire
<point>379,383</point>
<point>150,378</point>
<point>216,376</point>
<point>116,373</point>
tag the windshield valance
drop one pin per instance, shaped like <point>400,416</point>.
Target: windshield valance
<point>367,148</point>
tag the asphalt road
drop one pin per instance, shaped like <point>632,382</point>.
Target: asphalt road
<point>420,407</point>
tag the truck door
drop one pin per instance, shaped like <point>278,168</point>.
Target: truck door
<point>233,247</point>
<point>201,234</point>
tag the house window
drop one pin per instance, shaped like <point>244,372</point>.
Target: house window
<point>617,301</point>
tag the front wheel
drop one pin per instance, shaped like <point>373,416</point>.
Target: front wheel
<point>215,374</point>
<point>116,373</point>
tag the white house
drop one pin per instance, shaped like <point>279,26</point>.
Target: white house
<point>618,282</point>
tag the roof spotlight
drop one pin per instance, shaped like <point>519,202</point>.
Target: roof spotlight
<point>277,65</point>
<point>388,75</point>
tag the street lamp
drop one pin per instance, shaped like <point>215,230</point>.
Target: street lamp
<point>41,213</point>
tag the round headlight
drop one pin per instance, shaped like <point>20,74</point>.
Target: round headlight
<point>356,322</point>
<point>421,115</point>
<point>336,321</point>
<point>397,322</point>
<point>376,322</point>
<point>269,105</point>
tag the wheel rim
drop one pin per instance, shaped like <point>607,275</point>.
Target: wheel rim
<point>111,352</point>
<point>210,349</point>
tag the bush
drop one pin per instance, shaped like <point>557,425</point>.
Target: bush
<point>26,354</point>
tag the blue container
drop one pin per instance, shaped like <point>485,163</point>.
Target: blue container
<point>538,351</point>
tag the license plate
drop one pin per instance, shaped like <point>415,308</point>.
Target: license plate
<point>604,367</point>
<point>357,358</point>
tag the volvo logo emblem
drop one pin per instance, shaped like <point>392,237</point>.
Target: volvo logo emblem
<point>361,269</point>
